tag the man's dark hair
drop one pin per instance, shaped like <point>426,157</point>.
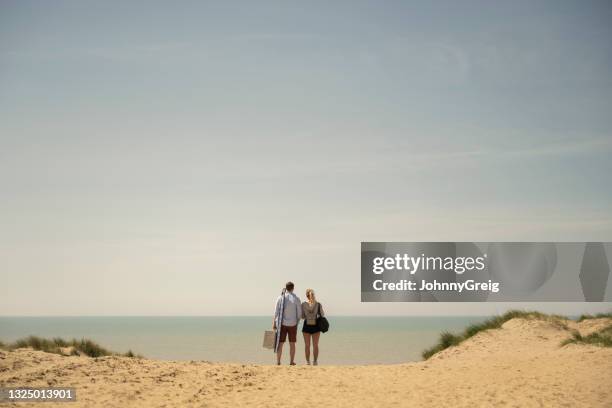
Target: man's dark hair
<point>289,286</point>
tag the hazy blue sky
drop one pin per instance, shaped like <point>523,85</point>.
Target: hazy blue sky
<point>190,157</point>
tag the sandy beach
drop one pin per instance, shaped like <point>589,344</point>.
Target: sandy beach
<point>522,364</point>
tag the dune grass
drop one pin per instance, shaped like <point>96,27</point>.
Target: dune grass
<point>54,345</point>
<point>597,316</point>
<point>448,339</point>
<point>602,338</point>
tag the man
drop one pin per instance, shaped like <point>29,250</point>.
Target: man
<point>292,314</point>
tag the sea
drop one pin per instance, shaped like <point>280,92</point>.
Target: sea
<point>351,340</point>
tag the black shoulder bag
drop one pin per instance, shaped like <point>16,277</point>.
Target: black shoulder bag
<point>322,322</point>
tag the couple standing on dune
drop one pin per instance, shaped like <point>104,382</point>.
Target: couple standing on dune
<point>293,311</point>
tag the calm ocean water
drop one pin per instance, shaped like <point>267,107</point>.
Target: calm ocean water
<point>351,340</point>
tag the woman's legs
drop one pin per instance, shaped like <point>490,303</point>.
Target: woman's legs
<point>307,346</point>
<point>315,345</point>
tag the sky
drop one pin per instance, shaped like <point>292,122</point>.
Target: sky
<point>188,158</point>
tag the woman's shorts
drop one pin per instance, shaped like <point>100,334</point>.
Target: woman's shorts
<point>310,329</point>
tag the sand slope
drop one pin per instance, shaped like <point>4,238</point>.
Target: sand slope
<point>519,365</point>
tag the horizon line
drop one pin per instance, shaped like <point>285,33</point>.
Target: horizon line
<point>179,315</point>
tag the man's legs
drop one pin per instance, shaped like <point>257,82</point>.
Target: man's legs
<point>292,351</point>
<point>283,337</point>
<point>279,353</point>
<point>292,332</point>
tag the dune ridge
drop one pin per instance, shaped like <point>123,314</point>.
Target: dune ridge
<point>523,363</point>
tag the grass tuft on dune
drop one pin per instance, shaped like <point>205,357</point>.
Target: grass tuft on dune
<point>449,339</point>
<point>597,316</point>
<point>602,338</point>
<point>74,346</point>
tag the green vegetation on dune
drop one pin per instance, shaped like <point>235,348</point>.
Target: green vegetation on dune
<point>602,338</point>
<point>76,347</point>
<point>597,316</point>
<point>449,339</point>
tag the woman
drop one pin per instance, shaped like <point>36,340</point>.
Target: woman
<point>311,310</point>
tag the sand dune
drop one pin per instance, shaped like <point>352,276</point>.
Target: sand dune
<point>522,364</point>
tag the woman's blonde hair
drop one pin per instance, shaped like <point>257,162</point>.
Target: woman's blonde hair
<point>310,295</point>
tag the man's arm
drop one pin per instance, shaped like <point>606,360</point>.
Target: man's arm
<point>276,312</point>
<point>300,311</point>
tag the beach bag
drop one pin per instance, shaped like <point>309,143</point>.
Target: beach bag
<point>269,339</point>
<point>322,323</point>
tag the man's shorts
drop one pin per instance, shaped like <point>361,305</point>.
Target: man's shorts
<point>291,331</point>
